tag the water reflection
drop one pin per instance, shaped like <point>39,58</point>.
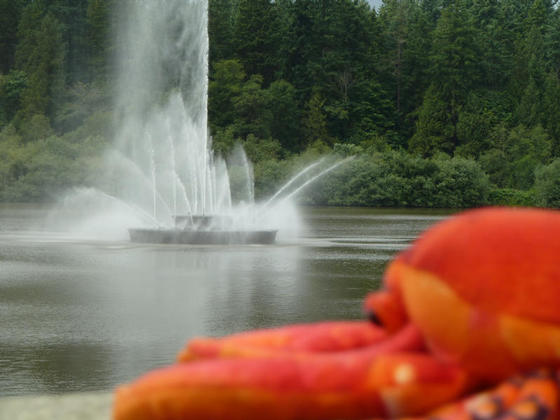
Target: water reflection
<point>78,315</point>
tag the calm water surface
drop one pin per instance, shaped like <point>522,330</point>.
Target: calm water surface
<point>81,315</point>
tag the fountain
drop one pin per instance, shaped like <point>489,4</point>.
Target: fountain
<point>163,137</point>
<point>161,177</point>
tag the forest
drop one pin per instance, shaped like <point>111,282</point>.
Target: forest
<point>444,103</point>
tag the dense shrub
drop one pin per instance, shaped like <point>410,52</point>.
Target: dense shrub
<point>39,170</point>
<point>511,197</point>
<point>396,179</point>
<point>547,184</point>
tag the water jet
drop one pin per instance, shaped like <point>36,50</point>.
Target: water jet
<point>161,181</point>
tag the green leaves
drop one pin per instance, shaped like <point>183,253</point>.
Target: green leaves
<point>468,79</point>
<point>396,179</point>
<point>515,155</point>
<point>255,38</point>
<point>547,184</point>
<point>40,54</point>
<point>11,88</point>
<point>10,11</point>
<point>97,25</point>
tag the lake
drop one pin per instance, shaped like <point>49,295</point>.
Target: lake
<point>86,315</point>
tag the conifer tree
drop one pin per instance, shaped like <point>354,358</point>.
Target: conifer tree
<point>255,38</point>
<point>406,45</point>
<point>454,71</point>
<point>40,54</point>
<point>98,24</point>
<point>221,20</point>
<point>10,11</point>
<point>71,15</point>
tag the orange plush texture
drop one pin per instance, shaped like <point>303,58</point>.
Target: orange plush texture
<point>496,258</point>
<point>475,300</point>
<point>480,285</point>
<point>301,386</point>
<point>320,337</point>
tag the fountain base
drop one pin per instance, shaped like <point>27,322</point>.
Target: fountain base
<point>202,237</point>
<point>202,230</point>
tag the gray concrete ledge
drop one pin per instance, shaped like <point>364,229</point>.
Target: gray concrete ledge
<point>83,406</point>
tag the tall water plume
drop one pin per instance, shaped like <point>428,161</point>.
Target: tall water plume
<point>162,160</point>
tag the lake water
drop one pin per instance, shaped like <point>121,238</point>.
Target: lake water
<point>84,315</point>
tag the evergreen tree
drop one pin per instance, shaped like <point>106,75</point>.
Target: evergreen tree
<point>454,70</point>
<point>454,61</point>
<point>494,43</point>
<point>255,38</point>
<point>10,11</point>
<point>27,29</point>
<point>221,22</point>
<point>285,124</point>
<point>532,65</point>
<point>515,155</point>
<point>435,130</point>
<point>252,114</point>
<point>12,86</point>
<point>40,54</point>
<point>224,86</point>
<point>315,121</point>
<point>552,41</point>
<point>530,49</point>
<point>334,54</point>
<point>97,25</point>
<point>406,46</point>
<point>551,109</point>
<point>71,15</point>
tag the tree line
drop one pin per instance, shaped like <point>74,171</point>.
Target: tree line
<point>447,103</point>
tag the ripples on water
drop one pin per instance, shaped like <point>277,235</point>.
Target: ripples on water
<point>80,315</point>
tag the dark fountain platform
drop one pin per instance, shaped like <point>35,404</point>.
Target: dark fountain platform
<point>202,230</point>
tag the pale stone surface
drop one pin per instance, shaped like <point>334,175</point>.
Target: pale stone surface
<point>86,406</point>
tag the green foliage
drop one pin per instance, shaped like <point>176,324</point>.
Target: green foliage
<point>515,154</point>
<point>460,183</point>
<point>80,102</point>
<point>11,88</point>
<point>36,127</point>
<point>495,41</point>
<point>454,71</point>
<point>10,11</point>
<point>259,150</point>
<point>40,54</point>
<point>252,111</point>
<point>285,122</point>
<point>315,121</point>
<point>225,85</point>
<point>71,14</point>
<point>269,176</point>
<point>483,111</point>
<point>255,38</point>
<point>547,184</point>
<point>240,107</point>
<point>437,98</point>
<point>396,179</point>
<point>221,20</point>
<point>97,24</point>
<point>512,197</point>
<point>38,170</point>
<point>434,128</point>
<point>405,62</point>
<point>454,58</point>
<point>551,107</point>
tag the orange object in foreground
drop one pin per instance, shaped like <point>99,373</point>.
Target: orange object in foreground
<point>321,337</point>
<point>473,301</point>
<point>312,386</point>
